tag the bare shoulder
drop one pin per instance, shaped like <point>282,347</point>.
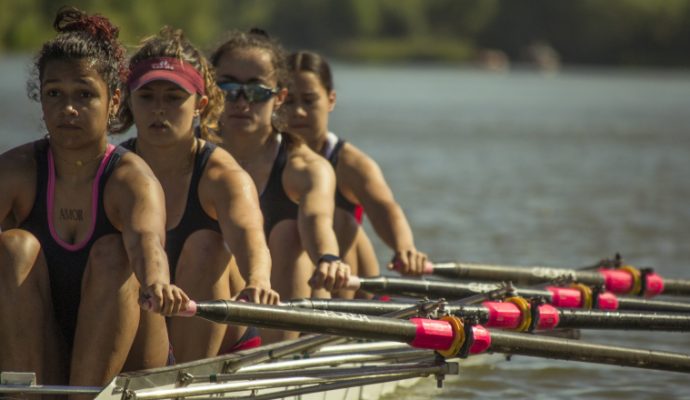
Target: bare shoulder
<point>18,158</point>
<point>222,165</point>
<point>354,161</point>
<point>131,175</point>
<point>306,171</point>
<point>223,172</point>
<point>354,158</point>
<point>303,161</point>
<point>18,166</point>
<point>17,183</point>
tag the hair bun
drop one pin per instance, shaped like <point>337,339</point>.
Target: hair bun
<point>259,32</point>
<point>70,19</point>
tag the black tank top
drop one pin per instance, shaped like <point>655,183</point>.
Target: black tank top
<point>340,200</point>
<point>275,203</point>
<point>194,217</point>
<point>66,263</point>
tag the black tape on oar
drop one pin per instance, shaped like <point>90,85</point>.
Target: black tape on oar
<point>645,274</point>
<point>469,340</point>
<point>596,291</point>
<point>534,312</point>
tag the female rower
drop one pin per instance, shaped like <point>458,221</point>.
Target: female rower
<point>360,182</point>
<point>83,222</point>
<point>296,186</point>
<point>213,214</point>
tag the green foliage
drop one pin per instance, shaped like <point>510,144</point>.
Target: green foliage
<point>581,31</point>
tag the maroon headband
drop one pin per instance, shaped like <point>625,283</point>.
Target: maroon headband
<point>179,72</point>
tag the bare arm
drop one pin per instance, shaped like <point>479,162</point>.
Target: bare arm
<point>234,199</point>
<point>135,204</point>
<point>17,185</point>
<point>362,177</point>
<point>312,180</point>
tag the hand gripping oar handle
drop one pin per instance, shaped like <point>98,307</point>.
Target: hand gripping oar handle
<point>189,311</point>
<point>428,267</point>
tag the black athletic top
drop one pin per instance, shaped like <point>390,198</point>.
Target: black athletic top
<point>67,262</point>
<point>340,200</point>
<point>194,217</point>
<point>275,203</point>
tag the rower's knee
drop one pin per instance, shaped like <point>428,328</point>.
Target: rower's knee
<point>108,262</point>
<point>204,256</point>
<point>19,250</point>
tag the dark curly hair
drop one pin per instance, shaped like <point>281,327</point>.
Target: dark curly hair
<point>82,37</point>
<point>172,43</point>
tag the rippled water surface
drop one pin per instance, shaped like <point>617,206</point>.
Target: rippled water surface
<point>516,168</point>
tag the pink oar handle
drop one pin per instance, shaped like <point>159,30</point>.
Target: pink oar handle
<point>189,311</point>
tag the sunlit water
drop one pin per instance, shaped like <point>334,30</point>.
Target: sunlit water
<point>516,168</point>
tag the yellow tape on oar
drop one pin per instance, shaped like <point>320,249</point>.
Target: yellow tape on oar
<point>636,276</point>
<point>458,336</point>
<point>586,293</point>
<point>524,307</point>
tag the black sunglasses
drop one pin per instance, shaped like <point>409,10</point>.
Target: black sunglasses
<point>253,92</point>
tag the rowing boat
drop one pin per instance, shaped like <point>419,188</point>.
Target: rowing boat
<point>348,371</point>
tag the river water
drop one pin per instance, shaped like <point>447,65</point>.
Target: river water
<point>515,168</point>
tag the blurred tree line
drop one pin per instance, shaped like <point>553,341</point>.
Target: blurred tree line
<point>611,32</point>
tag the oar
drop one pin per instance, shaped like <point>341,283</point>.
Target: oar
<point>624,280</point>
<point>314,342</point>
<point>508,315</point>
<point>444,336</point>
<point>556,296</point>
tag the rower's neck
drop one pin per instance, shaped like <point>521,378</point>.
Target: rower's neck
<point>248,148</point>
<point>175,158</point>
<point>318,144</point>
<point>78,165</point>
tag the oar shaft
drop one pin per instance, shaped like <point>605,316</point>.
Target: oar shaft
<point>567,318</point>
<point>566,349</point>
<point>680,287</point>
<point>624,280</point>
<point>641,304</point>
<point>517,275</point>
<point>341,324</point>
<point>416,287</point>
<point>452,290</point>
<point>584,319</point>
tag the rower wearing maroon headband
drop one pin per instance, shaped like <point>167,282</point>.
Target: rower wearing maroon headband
<point>214,226</point>
<point>83,222</point>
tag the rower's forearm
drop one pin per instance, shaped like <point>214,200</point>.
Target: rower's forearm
<point>148,260</point>
<point>392,227</point>
<point>246,241</point>
<point>258,269</point>
<point>317,235</point>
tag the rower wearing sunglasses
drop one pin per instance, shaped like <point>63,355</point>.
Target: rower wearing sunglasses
<point>360,182</point>
<point>214,225</point>
<point>296,185</point>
